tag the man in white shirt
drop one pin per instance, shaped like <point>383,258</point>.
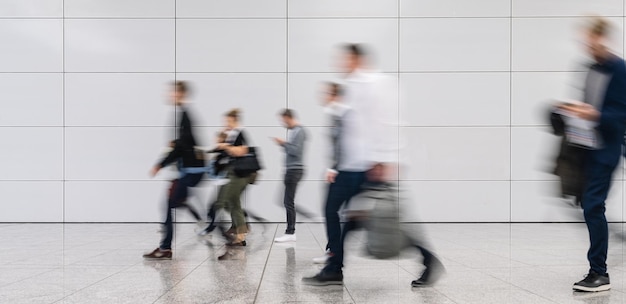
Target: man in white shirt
<point>368,149</point>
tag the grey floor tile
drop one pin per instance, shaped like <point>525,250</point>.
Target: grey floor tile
<point>485,263</point>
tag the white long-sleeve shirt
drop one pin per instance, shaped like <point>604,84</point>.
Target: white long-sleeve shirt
<point>370,129</point>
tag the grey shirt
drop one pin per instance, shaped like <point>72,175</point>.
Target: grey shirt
<point>595,87</point>
<point>294,148</point>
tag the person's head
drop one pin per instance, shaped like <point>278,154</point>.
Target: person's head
<point>179,92</point>
<point>332,92</point>
<point>221,137</point>
<point>289,118</point>
<point>597,33</point>
<point>232,118</point>
<point>354,57</point>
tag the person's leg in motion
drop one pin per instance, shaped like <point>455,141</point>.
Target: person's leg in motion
<point>433,268</point>
<point>352,186</point>
<point>593,203</point>
<point>176,193</point>
<point>211,213</point>
<point>292,178</point>
<point>233,198</point>
<point>346,185</point>
<point>327,253</point>
<point>192,180</point>
<point>220,205</point>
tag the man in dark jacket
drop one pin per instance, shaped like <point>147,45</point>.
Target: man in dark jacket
<point>604,104</point>
<point>191,169</point>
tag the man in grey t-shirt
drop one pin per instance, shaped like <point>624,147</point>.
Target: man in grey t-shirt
<point>294,150</point>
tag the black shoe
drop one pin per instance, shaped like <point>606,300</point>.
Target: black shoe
<point>593,282</point>
<point>158,254</point>
<point>431,274</point>
<point>237,244</point>
<point>324,279</point>
<point>209,229</point>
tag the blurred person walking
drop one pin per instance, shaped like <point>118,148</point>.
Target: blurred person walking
<point>191,168</point>
<point>604,104</point>
<point>294,169</point>
<point>335,109</point>
<point>229,195</point>
<point>368,153</point>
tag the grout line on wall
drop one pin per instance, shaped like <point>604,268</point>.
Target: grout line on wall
<point>510,118</point>
<point>63,116</point>
<point>242,18</point>
<point>308,72</point>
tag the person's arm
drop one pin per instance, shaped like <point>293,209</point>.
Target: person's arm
<point>383,123</point>
<point>172,156</point>
<point>612,119</point>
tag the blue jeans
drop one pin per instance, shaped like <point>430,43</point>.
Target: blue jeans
<point>176,198</point>
<point>346,186</point>
<point>593,203</point>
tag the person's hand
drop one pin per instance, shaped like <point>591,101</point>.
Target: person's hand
<point>278,141</point>
<point>383,172</point>
<point>331,176</point>
<point>588,112</point>
<point>155,170</point>
<point>222,146</point>
<point>584,111</point>
<point>377,173</point>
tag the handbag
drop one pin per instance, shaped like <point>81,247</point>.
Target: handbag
<point>385,238</point>
<point>248,164</point>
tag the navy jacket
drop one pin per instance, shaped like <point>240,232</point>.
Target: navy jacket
<point>612,123</point>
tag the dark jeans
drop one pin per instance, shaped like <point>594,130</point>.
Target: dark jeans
<point>346,186</point>
<point>593,203</point>
<point>177,197</point>
<point>292,178</point>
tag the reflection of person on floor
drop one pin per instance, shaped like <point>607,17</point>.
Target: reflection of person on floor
<point>191,169</point>
<point>605,106</point>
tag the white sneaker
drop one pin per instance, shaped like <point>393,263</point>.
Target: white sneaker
<point>285,238</point>
<point>323,259</point>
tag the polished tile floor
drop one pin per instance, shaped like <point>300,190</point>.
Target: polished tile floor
<point>486,263</point>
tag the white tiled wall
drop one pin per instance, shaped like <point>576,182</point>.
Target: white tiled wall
<point>84,112</point>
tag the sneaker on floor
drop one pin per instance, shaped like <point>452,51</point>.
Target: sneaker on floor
<point>323,259</point>
<point>158,254</point>
<point>285,238</point>
<point>324,278</point>
<point>593,282</point>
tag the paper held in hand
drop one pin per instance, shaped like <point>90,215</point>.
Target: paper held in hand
<point>578,131</point>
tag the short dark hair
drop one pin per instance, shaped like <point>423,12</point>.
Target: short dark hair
<point>335,89</point>
<point>288,113</point>
<point>234,114</point>
<point>355,49</point>
<point>181,86</point>
<point>599,26</point>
